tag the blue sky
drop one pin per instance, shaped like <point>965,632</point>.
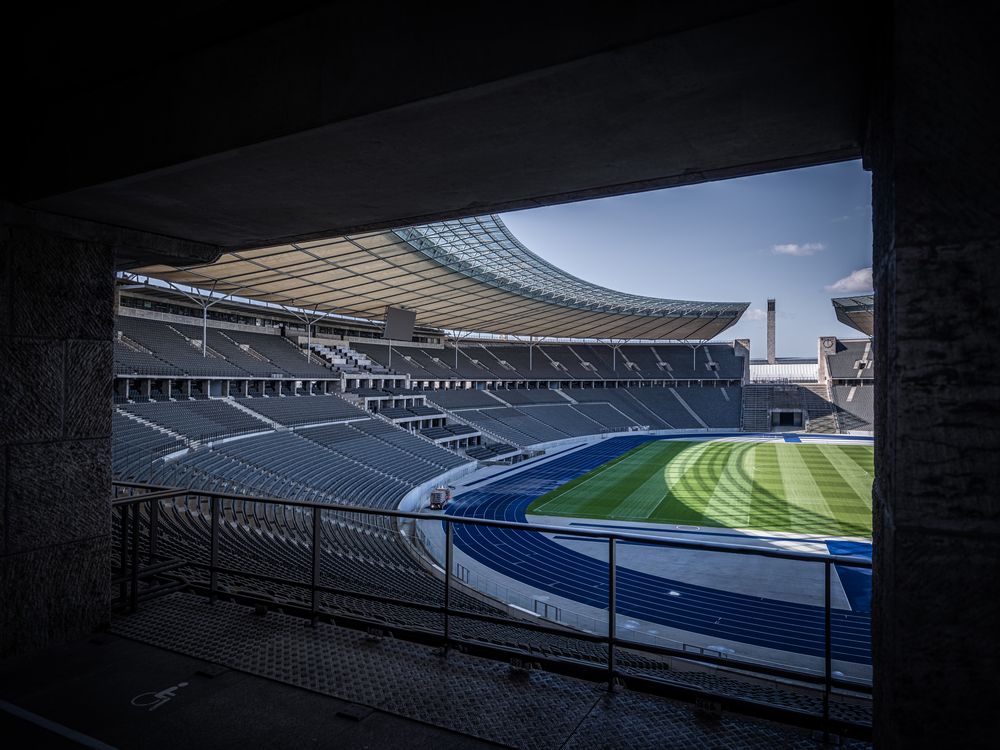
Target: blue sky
<point>801,236</point>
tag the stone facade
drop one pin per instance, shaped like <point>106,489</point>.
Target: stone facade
<point>56,323</point>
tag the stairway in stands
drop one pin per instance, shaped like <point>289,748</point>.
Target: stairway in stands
<point>756,406</point>
<point>345,359</point>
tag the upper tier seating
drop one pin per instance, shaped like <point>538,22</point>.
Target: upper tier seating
<point>170,343</point>
<point>130,361</point>
<point>473,363</point>
<point>513,362</point>
<point>168,348</point>
<point>250,360</point>
<point>174,348</point>
<point>843,364</point>
<point>403,359</point>
<point>283,353</point>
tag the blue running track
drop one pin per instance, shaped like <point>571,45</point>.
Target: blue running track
<point>537,561</point>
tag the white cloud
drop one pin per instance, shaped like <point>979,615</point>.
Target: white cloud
<point>809,248</point>
<point>856,281</point>
<point>755,314</point>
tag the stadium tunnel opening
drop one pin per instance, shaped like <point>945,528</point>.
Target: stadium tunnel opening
<point>126,187</point>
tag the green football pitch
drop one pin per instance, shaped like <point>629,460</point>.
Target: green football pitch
<point>811,488</point>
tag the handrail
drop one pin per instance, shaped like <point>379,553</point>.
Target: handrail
<point>618,536</point>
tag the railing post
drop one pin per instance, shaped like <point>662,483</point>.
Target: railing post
<point>447,582</point>
<point>154,528</point>
<point>123,551</point>
<point>317,516</point>
<point>612,612</point>
<point>828,656</point>
<point>213,561</point>
<point>134,595</point>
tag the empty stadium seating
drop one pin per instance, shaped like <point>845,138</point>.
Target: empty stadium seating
<point>844,363</point>
<point>519,396</point>
<point>147,347</point>
<point>301,410</point>
<point>172,343</point>
<point>198,420</point>
<point>461,399</point>
<point>352,458</point>
<point>150,347</point>
<point>855,406</point>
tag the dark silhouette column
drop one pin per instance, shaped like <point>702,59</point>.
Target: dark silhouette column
<point>937,514</point>
<point>56,321</point>
<point>57,303</point>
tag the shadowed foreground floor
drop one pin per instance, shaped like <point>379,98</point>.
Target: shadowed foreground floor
<point>183,673</point>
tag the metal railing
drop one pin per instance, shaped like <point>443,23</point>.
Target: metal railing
<point>158,573</point>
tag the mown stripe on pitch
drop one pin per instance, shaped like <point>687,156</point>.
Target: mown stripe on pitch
<point>565,489</point>
<point>768,509</point>
<point>862,455</point>
<point>729,504</point>
<point>807,503</point>
<point>589,495</point>
<point>844,499</point>
<point>694,489</point>
<point>632,492</point>
<point>851,473</point>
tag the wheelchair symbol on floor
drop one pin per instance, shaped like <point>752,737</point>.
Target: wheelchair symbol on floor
<point>154,700</point>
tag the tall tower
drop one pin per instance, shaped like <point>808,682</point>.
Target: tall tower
<point>770,331</point>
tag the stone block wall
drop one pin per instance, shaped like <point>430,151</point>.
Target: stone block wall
<point>56,364</point>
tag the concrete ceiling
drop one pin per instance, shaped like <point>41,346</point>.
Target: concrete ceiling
<point>314,123</point>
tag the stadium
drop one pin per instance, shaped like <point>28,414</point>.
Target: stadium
<point>735,508</point>
<point>375,375</point>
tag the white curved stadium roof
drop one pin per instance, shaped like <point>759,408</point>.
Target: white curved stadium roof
<point>466,274</point>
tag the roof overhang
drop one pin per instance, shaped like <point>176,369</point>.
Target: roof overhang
<point>856,312</point>
<point>467,274</point>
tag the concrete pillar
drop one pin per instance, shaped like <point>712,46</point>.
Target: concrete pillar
<point>936,598</point>
<point>827,345</point>
<point>56,380</point>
